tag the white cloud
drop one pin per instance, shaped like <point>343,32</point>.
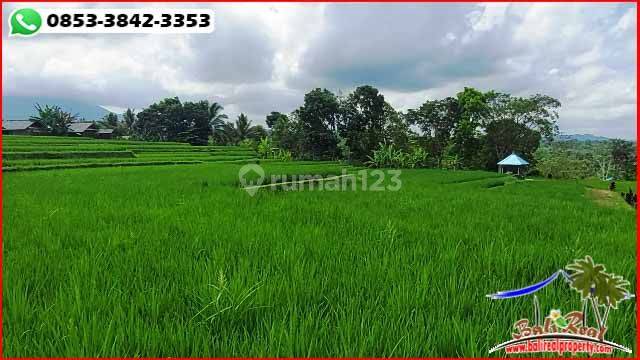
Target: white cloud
<point>585,58</point>
<point>492,15</point>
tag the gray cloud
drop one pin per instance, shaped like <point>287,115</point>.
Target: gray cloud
<point>237,52</point>
<point>411,47</point>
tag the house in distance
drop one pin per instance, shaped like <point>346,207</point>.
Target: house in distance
<point>104,134</point>
<point>23,127</point>
<point>83,129</point>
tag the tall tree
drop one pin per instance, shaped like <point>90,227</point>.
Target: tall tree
<point>196,117</point>
<point>363,120</point>
<point>396,129</point>
<point>286,133</point>
<point>518,124</point>
<point>437,119</point>
<point>129,118</point>
<point>273,118</point>
<point>603,159</point>
<point>244,130</point>
<point>506,136</point>
<point>161,121</point>
<point>467,142</point>
<point>318,119</point>
<point>227,135</point>
<point>258,132</point>
<point>537,112</point>
<point>623,154</point>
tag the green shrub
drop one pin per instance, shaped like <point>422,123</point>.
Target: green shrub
<point>265,148</point>
<point>388,156</point>
<point>416,158</point>
<point>284,155</point>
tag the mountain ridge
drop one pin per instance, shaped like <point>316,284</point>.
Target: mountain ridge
<point>23,107</point>
<point>580,137</point>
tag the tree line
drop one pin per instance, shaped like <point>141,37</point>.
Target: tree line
<point>474,129</point>
<point>197,123</point>
<point>471,130</point>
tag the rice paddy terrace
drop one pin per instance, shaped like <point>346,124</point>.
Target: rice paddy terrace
<point>48,152</point>
<point>175,261</point>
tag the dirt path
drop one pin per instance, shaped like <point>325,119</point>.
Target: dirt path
<point>605,198</point>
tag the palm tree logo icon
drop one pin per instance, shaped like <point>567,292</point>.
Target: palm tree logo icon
<point>597,288</point>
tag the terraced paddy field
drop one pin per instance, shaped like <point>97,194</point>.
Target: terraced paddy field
<point>179,260</point>
<point>22,153</point>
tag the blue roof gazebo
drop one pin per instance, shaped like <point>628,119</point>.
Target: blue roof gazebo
<point>512,161</point>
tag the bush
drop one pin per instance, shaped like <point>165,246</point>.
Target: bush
<point>284,155</point>
<point>417,158</point>
<point>265,148</point>
<point>385,156</point>
<point>630,198</point>
<point>388,156</point>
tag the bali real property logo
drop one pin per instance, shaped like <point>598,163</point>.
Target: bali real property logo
<point>570,333</point>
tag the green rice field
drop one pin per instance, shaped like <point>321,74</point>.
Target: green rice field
<point>23,153</point>
<point>177,260</point>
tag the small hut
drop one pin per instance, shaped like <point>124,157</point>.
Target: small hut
<point>512,163</point>
<point>23,127</point>
<point>84,128</point>
<point>105,134</point>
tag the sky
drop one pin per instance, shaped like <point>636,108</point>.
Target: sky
<point>265,57</point>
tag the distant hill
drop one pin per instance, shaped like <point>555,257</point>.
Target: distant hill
<point>22,107</point>
<point>580,137</point>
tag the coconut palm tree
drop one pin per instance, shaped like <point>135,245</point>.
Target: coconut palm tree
<point>216,117</point>
<point>228,134</point>
<point>217,123</point>
<point>243,127</point>
<point>233,133</point>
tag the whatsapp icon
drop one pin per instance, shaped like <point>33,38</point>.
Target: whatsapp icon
<point>25,22</point>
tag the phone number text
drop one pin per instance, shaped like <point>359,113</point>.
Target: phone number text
<point>129,20</point>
